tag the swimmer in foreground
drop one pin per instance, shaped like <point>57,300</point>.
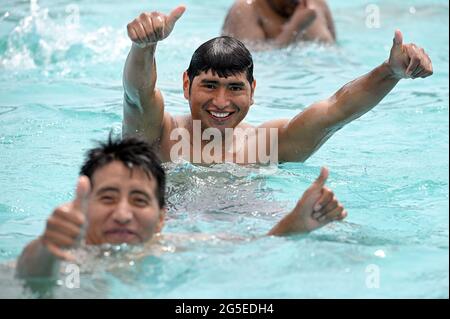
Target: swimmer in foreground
<point>120,198</point>
<point>278,23</point>
<point>220,87</point>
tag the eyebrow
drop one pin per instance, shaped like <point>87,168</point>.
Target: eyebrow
<point>116,190</point>
<point>209,82</point>
<point>108,189</point>
<point>241,84</point>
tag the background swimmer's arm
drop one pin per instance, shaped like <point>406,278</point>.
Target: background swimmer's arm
<point>302,18</point>
<point>317,207</point>
<point>329,17</point>
<point>305,133</point>
<point>143,102</point>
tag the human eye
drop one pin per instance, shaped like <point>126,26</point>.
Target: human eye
<point>107,199</point>
<point>141,201</point>
<point>209,86</point>
<point>236,88</point>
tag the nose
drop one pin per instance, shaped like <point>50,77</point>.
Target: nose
<point>123,213</point>
<point>221,99</point>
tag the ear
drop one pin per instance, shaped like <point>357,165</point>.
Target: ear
<point>162,217</point>
<point>252,93</point>
<point>186,84</point>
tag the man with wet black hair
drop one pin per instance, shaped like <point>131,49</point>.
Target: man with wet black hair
<point>267,23</point>
<point>219,86</point>
<point>120,198</point>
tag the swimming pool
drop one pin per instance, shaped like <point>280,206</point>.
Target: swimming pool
<point>60,89</point>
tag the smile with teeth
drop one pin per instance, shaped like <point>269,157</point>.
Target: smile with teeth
<point>220,115</point>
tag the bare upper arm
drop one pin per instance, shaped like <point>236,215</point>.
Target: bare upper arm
<point>145,119</point>
<point>301,136</point>
<point>242,23</point>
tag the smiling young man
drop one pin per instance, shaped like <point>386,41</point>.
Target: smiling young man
<point>120,198</point>
<point>219,86</point>
<point>279,22</point>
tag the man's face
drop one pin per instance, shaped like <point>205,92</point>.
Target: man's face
<point>123,206</point>
<point>219,102</point>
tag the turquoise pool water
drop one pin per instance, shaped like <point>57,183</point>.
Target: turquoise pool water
<point>60,89</point>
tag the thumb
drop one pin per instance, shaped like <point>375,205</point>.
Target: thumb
<point>321,180</point>
<point>398,40</point>
<point>176,14</point>
<point>82,192</point>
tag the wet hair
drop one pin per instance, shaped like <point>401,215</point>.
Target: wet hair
<point>224,56</point>
<point>132,152</point>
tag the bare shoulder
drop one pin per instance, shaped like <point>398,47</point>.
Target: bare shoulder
<point>241,10</point>
<point>320,4</point>
<point>277,123</point>
<point>181,121</point>
<point>245,126</point>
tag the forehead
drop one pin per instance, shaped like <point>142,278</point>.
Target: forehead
<point>116,174</point>
<point>212,76</point>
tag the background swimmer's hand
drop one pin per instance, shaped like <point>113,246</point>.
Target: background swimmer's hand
<point>317,207</point>
<point>304,15</point>
<point>408,60</point>
<point>149,28</point>
<point>64,228</point>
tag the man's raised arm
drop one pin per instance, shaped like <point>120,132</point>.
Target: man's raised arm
<point>143,103</point>
<point>305,133</point>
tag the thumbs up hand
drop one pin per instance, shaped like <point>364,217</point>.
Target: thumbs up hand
<point>149,28</point>
<point>64,229</point>
<point>317,207</point>
<point>408,60</point>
